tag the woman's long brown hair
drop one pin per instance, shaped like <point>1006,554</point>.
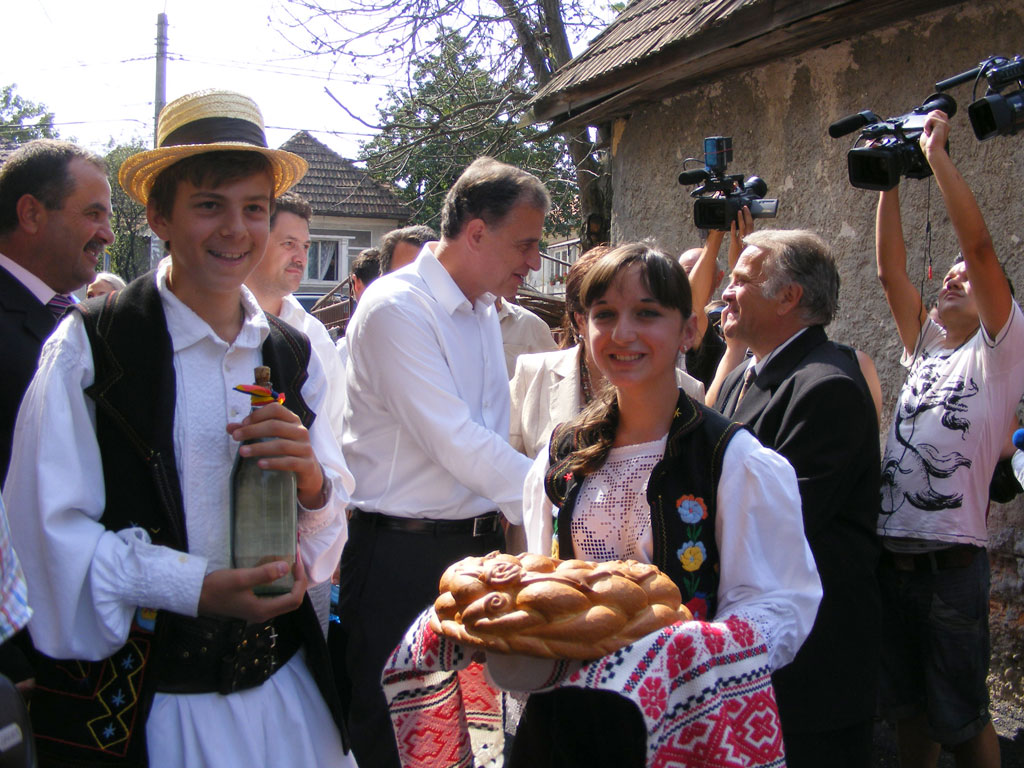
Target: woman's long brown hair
<point>595,426</point>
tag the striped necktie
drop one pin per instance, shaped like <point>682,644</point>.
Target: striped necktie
<point>748,378</point>
<point>59,304</point>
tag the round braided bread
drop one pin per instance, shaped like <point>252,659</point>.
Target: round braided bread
<point>563,609</point>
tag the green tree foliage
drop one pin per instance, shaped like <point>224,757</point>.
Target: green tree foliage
<point>451,112</point>
<point>520,43</point>
<point>22,120</point>
<point>129,253</point>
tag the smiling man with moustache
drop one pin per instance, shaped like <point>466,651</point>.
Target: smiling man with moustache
<point>426,427</point>
<point>273,282</point>
<point>278,276</point>
<point>54,225</point>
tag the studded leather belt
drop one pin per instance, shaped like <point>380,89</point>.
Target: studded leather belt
<point>207,655</point>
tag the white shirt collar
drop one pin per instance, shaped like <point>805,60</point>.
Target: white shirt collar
<point>441,285</point>
<point>758,365</point>
<point>292,311</point>
<point>505,310</point>
<point>33,284</point>
<point>187,328</point>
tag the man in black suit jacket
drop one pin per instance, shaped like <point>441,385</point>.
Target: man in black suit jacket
<point>54,225</point>
<point>805,397</point>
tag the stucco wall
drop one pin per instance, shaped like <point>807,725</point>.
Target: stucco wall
<point>778,116</point>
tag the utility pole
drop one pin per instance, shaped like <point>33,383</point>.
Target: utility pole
<point>161,70</point>
<point>156,246</point>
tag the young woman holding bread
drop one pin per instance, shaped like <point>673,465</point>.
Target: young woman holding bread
<point>647,473</point>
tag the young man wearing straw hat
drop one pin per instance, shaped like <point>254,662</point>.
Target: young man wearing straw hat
<point>124,448</point>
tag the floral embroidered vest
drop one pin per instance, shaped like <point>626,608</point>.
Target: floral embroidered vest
<point>681,492</point>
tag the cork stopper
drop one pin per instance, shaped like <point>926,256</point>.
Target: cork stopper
<point>262,376</point>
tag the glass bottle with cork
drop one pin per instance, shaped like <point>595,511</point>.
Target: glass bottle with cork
<point>263,503</point>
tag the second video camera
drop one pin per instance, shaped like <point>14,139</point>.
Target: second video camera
<point>711,211</point>
<point>890,150</point>
<point>994,114</point>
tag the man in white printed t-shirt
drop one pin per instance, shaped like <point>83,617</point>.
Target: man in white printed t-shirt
<point>954,413</point>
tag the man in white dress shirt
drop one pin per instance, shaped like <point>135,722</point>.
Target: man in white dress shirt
<point>123,453</point>
<point>365,269</point>
<point>426,427</point>
<point>522,332</point>
<point>400,247</point>
<point>273,282</point>
<point>278,276</point>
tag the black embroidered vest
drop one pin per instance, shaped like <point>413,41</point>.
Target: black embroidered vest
<point>681,492</point>
<point>94,713</point>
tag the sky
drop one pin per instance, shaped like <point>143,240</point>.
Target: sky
<point>93,66</point>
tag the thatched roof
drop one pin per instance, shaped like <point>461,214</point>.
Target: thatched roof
<point>334,186</point>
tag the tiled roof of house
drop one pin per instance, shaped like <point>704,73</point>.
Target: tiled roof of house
<point>334,186</point>
<point>5,150</point>
<point>656,47</point>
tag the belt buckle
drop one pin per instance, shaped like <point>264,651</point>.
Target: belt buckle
<point>272,652</point>
<point>479,523</point>
<point>242,669</point>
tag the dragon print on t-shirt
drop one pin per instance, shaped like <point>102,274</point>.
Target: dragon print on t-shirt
<point>912,469</point>
<point>953,416</point>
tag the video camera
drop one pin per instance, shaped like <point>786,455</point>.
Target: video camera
<point>994,114</point>
<point>719,212</point>
<point>894,150</point>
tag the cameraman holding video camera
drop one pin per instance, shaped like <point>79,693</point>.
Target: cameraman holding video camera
<point>953,414</point>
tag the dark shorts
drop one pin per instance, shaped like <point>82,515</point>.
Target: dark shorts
<point>935,647</point>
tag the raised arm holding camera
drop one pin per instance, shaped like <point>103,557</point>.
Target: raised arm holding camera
<point>951,420</point>
<point>705,275</point>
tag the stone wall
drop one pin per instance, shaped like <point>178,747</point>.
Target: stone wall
<point>778,115</point>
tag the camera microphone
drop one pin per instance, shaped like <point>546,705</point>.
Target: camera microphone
<point>851,123</point>
<point>697,176</point>
<point>963,77</point>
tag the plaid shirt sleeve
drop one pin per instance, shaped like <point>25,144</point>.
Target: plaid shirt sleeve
<point>14,610</point>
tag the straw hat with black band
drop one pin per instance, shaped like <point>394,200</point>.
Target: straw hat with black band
<point>207,121</point>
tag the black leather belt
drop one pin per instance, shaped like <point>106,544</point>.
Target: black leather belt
<point>485,525</point>
<point>959,556</point>
<point>207,655</point>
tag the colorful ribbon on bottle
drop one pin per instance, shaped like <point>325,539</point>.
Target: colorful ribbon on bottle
<point>260,395</point>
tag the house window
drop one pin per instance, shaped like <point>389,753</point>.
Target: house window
<point>323,260</point>
<point>555,268</point>
<point>330,256</point>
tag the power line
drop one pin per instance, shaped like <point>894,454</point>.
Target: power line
<point>29,125</point>
<point>285,71</point>
<point>91,64</point>
<point>355,134</point>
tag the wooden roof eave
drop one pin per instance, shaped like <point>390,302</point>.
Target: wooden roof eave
<point>709,56</point>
